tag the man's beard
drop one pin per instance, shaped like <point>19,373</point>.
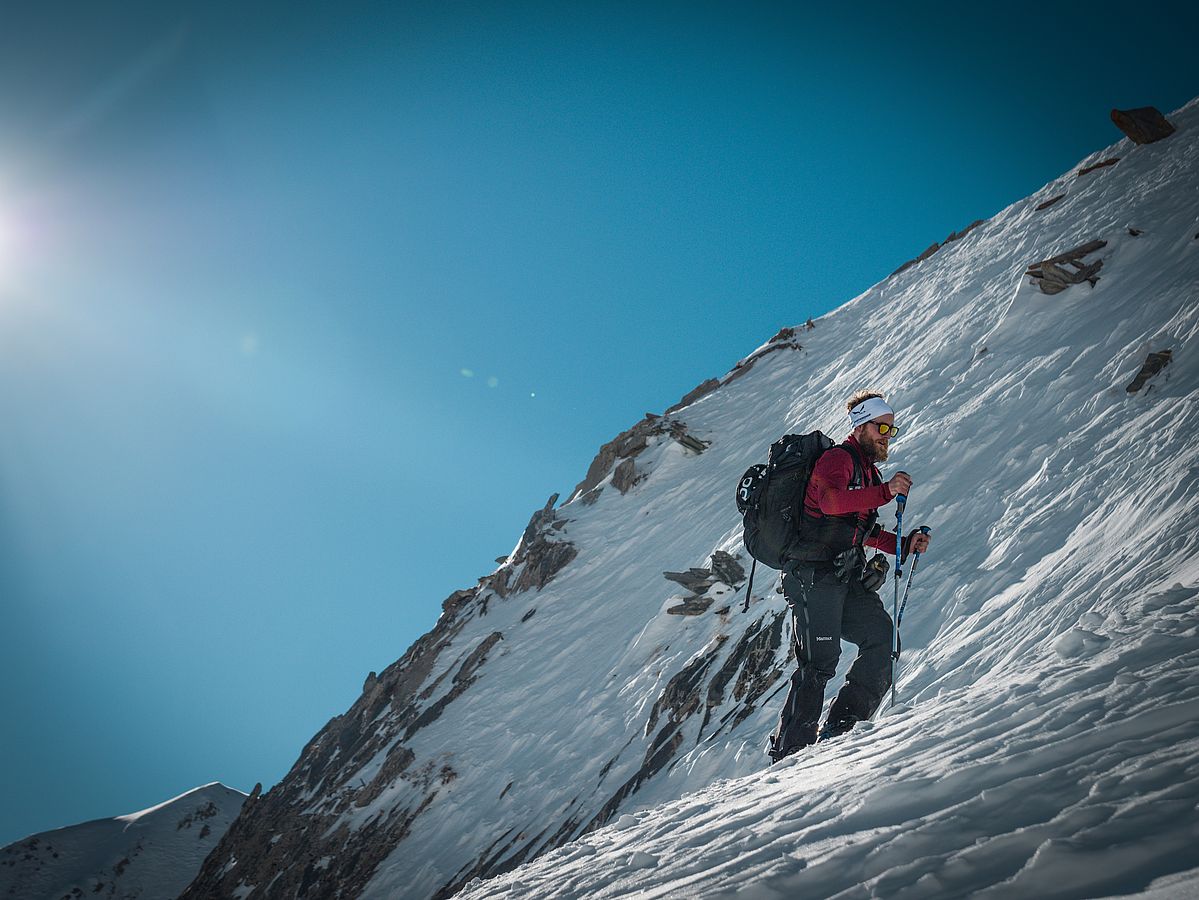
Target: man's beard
<point>876,451</point>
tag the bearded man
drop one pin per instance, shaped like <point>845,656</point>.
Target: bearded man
<point>824,587</point>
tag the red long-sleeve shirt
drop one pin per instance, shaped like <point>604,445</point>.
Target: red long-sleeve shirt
<point>829,494</point>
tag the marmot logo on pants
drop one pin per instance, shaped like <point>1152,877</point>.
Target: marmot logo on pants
<point>824,637</point>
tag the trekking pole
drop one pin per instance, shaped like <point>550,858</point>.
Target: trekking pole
<point>923,529</point>
<point>903,604</point>
<point>900,501</point>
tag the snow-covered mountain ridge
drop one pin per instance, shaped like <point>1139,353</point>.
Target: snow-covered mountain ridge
<point>152,854</point>
<point>1046,742</point>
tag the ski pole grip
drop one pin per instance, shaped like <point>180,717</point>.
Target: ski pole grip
<point>923,529</point>
<point>900,500</point>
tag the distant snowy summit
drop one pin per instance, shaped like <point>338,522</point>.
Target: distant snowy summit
<point>154,853</point>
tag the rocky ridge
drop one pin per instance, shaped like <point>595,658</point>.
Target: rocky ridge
<point>362,760</point>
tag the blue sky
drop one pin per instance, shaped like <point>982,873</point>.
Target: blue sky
<point>303,310</point>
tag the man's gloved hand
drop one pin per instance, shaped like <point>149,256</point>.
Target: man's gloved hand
<point>918,541</point>
<point>875,572</point>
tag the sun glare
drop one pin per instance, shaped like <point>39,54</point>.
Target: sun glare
<point>8,243</point>
<point>10,246</point>
<point>5,243</point>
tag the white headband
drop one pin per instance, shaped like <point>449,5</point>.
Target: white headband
<point>868,410</point>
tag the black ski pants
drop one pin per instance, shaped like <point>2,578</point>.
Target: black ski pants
<point>824,610</point>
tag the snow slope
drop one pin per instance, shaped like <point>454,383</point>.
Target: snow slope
<point>150,854</point>
<point>1047,739</point>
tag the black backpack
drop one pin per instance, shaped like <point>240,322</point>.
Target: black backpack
<point>770,499</point>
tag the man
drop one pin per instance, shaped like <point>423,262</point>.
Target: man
<point>824,586</point>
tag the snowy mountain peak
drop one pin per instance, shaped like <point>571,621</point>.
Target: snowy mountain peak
<point>151,853</point>
<point>208,795</point>
<point>590,718</point>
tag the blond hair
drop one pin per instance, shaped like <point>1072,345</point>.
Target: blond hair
<point>860,397</point>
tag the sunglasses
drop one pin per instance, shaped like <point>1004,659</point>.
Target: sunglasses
<point>885,429</point>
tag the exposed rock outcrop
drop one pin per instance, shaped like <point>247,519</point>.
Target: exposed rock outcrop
<point>537,558</point>
<point>692,606</point>
<point>455,601</point>
<point>695,580</point>
<point>698,688</point>
<point>466,675</point>
<point>1143,125</point>
<point>624,476</point>
<point>628,445</point>
<point>625,445</point>
<point>1154,363</point>
<point>1059,272</point>
<point>678,433</point>
<point>1099,165</point>
<point>702,390</point>
<point>784,340</point>
<point>753,663</point>
<point>958,235</point>
<point>725,569</point>
<point>933,248</point>
<point>1050,202</point>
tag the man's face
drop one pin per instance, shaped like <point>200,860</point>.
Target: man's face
<point>875,444</point>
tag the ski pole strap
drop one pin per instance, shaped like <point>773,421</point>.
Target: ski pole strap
<point>749,587</point>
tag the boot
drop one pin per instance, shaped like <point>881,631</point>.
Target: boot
<point>797,737</point>
<point>837,727</point>
<point>799,720</point>
<point>852,705</point>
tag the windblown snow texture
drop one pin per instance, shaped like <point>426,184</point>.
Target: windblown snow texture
<point>152,854</point>
<point>1047,739</point>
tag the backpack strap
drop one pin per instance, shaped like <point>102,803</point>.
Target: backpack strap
<point>749,587</point>
<point>858,480</point>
